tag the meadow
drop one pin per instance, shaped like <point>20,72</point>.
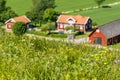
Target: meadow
<point>68,5</point>
<point>30,58</point>
<point>20,6</point>
<point>101,15</point>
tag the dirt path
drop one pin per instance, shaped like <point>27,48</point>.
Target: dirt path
<point>74,41</point>
<point>94,7</point>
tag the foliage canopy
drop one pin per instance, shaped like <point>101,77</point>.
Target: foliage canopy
<point>19,28</point>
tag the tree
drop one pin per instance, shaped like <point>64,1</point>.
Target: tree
<point>99,2</point>
<point>5,12</point>
<point>48,27</point>
<point>19,28</point>
<point>37,11</point>
<point>2,5</point>
<point>50,15</point>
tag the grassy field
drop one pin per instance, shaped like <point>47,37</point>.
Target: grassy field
<point>68,5</point>
<point>24,58</point>
<point>101,16</point>
<point>20,6</point>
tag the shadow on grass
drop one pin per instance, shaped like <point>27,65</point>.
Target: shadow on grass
<point>106,6</point>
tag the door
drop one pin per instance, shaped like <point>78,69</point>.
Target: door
<point>97,40</point>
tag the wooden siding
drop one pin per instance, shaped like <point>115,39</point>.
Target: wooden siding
<point>99,34</point>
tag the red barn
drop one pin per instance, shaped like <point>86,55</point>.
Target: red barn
<point>83,22</point>
<point>11,21</point>
<point>106,34</point>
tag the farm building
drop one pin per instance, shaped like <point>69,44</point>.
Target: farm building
<point>83,23</point>
<point>106,34</point>
<point>11,21</point>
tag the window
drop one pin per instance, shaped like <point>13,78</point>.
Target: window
<point>97,40</point>
<point>61,26</point>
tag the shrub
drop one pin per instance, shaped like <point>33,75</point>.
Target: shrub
<point>58,35</point>
<point>68,28</point>
<point>94,23</point>
<point>19,28</point>
<point>48,27</point>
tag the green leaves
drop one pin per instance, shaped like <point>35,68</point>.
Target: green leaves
<point>19,28</point>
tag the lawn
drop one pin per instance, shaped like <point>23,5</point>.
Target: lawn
<point>68,5</point>
<point>20,6</point>
<point>102,15</point>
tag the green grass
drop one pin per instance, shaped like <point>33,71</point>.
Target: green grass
<point>68,5</point>
<point>115,46</point>
<point>24,58</point>
<point>45,34</point>
<point>101,16</point>
<point>20,6</point>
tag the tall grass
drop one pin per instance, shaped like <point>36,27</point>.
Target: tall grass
<point>24,58</point>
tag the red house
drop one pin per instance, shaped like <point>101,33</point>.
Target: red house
<point>83,22</point>
<point>11,21</point>
<point>106,34</point>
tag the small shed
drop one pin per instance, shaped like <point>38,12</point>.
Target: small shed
<point>11,21</point>
<point>106,34</point>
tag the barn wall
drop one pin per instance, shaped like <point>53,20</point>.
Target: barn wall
<point>114,40</point>
<point>100,35</point>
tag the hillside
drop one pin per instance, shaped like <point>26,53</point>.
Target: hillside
<point>101,16</point>
<point>20,6</point>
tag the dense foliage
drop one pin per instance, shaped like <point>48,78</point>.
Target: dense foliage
<point>19,28</point>
<point>50,15</point>
<point>25,58</point>
<point>48,27</point>
<point>5,12</point>
<point>37,11</point>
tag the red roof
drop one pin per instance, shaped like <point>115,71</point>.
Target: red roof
<point>78,19</point>
<point>21,19</point>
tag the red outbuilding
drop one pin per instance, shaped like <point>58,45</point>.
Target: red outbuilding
<point>106,34</point>
<point>11,21</point>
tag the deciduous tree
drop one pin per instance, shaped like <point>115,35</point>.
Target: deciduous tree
<point>99,2</point>
<point>5,12</point>
<point>19,28</point>
<point>50,15</point>
<point>39,6</point>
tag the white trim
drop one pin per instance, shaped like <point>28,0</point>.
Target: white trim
<point>71,18</point>
<point>10,20</point>
<point>87,20</point>
<point>27,18</point>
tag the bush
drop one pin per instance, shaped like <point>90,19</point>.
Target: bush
<point>59,35</point>
<point>19,28</point>
<point>68,28</point>
<point>48,27</point>
<point>94,23</point>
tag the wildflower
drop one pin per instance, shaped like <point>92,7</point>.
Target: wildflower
<point>117,61</point>
<point>105,62</point>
